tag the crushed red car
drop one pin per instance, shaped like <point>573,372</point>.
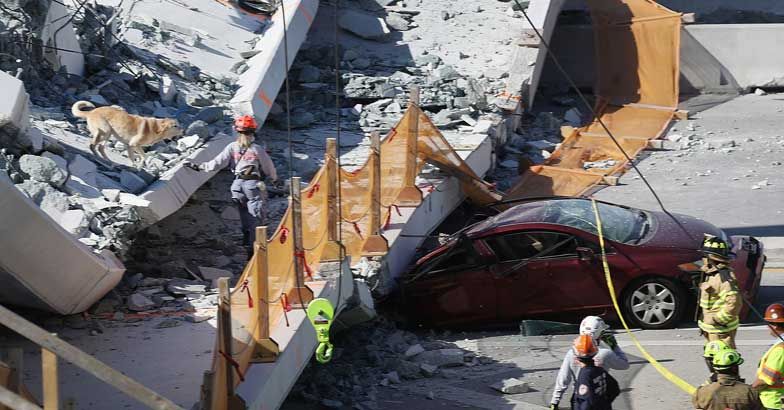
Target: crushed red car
<point>541,260</point>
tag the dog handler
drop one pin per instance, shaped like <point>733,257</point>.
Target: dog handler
<point>250,165</point>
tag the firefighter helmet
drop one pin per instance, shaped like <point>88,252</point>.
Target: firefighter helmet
<point>726,359</point>
<point>593,326</point>
<point>715,347</point>
<point>585,347</point>
<point>716,247</point>
<point>775,313</point>
<point>245,123</point>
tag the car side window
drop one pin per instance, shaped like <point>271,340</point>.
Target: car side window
<point>523,245</point>
<point>463,256</point>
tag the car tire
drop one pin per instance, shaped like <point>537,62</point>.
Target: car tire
<point>654,302</point>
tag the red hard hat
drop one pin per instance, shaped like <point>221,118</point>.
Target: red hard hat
<point>585,347</point>
<point>245,123</point>
<point>775,313</point>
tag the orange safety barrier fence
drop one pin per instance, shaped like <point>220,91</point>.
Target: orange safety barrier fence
<point>637,53</point>
<point>274,281</point>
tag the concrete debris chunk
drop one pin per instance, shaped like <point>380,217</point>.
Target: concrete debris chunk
<point>573,117</point>
<point>511,386</point>
<point>332,404</point>
<point>363,25</point>
<point>167,89</point>
<point>607,163</point>
<point>132,182</point>
<point>414,350</point>
<point>210,114</point>
<point>185,287</point>
<point>42,169</point>
<point>392,377</point>
<point>441,357</point>
<point>197,128</point>
<point>213,273</point>
<point>482,127</point>
<point>55,204</point>
<point>397,21</point>
<point>408,370</point>
<point>137,302</point>
<point>428,369</point>
<point>309,74</point>
<point>760,91</point>
<point>75,221</point>
<point>167,323</point>
<point>186,143</point>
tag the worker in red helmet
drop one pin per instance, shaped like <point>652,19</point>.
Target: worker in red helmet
<point>250,165</point>
<point>594,388</point>
<point>770,374</point>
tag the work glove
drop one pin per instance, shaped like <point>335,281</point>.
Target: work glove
<point>609,339</point>
<point>191,165</point>
<point>553,406</point>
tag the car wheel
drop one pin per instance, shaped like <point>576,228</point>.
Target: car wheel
<point>654,303</point>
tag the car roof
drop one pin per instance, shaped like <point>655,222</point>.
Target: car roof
<point>527,212</point>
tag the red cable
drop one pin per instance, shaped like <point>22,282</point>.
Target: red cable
<point>284,234</point>
<point>356,228</point>
<point>308,271</point>
<point>247,289</point>
<point>389,215</point>
<point>313,191</point>
<point>284,301</point>
<point>233,364</point>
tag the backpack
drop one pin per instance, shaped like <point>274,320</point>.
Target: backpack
<point>594,389</point>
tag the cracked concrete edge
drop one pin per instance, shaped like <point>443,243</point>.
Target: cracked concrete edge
<point>260,84</point>
<point>37,252</point>
<point>173,189</point>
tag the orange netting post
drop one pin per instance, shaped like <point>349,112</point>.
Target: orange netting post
<point>410,195</point>
<point>375,244</point>
<point>331,251</point>
<point>226,363</point>
<point>267,350</point>
<point>299,295</point>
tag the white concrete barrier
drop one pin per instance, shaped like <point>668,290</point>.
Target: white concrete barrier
<point>44,267</point>
<point>260,84</point>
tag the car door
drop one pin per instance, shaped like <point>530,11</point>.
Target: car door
<point>456,287</point>
<point>516,265</point>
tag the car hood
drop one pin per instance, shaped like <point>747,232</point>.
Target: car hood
<point>668,233</point>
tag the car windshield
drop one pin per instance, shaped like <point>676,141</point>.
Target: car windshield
<point>619,224</point>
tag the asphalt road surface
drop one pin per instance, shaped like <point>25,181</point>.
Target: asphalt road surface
<point>536,360</point>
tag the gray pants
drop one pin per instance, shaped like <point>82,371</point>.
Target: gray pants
<point>247,195</point>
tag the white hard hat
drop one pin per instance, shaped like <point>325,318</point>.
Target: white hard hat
<point>593,326</point>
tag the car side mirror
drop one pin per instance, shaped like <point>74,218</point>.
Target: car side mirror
<point>585,254</point>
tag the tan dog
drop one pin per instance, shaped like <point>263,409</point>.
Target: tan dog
<point>133,130</point>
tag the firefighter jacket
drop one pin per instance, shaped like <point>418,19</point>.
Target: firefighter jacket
<point>252,160</point>
<point>771,372</point>
<point>719,301</point>
<point>726,393</point>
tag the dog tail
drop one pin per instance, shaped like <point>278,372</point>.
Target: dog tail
<point>76,109</point>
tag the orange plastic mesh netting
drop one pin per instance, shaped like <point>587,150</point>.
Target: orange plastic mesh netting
<point>637,53</point>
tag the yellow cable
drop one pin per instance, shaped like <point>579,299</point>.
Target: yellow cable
<point>682,384</point>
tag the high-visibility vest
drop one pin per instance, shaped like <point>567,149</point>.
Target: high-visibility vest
<point>771,372</point>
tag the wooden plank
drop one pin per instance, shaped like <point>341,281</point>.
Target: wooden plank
<point>332,249</point>
<point>266,348</point>
<point>410,195</point>
<point>225,340</point>
<point>84,361</point>
<point>15,401</point>
<point>51,386</point>
<point>299,295</point>
<point>375,244</point>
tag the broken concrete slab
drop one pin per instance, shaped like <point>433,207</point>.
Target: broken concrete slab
<point>511,386</point>
<point>132,182</point>
<point>42,169</point>
<point>209,273</point>
<point>363,25</point>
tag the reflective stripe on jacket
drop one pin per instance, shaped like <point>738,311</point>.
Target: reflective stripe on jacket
<point>771,372</point>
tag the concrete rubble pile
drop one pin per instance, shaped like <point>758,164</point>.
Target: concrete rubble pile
<point>95,200</point>
<point>377,354</point>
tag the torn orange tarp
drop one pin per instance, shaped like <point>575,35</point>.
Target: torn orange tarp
<point>637,53</point>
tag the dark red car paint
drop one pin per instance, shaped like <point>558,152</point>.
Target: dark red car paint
<point>561,287</point>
